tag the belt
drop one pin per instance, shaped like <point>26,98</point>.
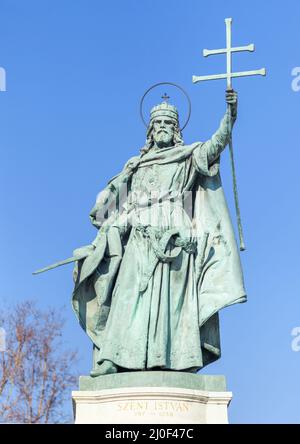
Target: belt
<point>159,244</point>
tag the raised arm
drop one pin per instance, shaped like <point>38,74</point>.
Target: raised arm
<point>213,147</point>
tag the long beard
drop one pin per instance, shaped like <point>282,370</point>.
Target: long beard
<point>163,139</point>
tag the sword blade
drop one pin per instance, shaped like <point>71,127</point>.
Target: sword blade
<point>59,264</point>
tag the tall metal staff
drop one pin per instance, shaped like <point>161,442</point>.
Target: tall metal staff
<point>228,76</point>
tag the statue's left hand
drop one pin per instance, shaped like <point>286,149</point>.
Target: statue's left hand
<point>232,100</point>
<point>83,251</point>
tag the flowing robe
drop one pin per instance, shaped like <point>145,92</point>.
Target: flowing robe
<point>149,293</point>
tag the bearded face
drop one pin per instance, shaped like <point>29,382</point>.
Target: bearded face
<point>163,132</point>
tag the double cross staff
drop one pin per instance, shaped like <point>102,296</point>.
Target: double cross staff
<point>228,76</point>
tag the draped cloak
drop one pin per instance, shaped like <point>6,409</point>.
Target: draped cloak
<point>148,294</point>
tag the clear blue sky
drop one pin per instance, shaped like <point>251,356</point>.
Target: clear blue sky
<point>76,70</point>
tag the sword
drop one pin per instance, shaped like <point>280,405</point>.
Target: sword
<point>60,263</point>
<point>87,250</point>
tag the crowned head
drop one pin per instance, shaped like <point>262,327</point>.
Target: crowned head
<point>163,130</point>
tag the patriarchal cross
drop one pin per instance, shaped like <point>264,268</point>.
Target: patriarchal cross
<point>228,51</point>
<point>228,76</point>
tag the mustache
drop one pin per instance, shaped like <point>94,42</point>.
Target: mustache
<point>162,131</point>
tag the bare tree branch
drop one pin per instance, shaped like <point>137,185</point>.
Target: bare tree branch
<point>36,372</point>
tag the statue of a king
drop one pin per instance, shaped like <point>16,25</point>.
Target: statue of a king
<point>164,262</point>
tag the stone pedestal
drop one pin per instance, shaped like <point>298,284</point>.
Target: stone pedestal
<point>151,398</point>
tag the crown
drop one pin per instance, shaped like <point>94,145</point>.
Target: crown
<point>164,109</point>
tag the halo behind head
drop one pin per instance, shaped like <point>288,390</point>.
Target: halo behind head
<point>165,107</point>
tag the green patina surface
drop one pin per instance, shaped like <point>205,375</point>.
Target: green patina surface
<point>149,287</point>
<point>164,262</point>
<point>215,383</point>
